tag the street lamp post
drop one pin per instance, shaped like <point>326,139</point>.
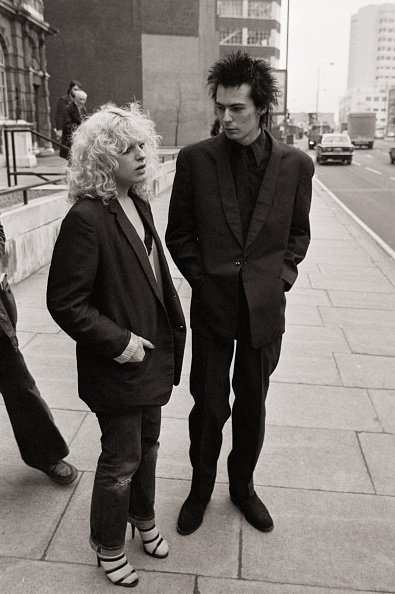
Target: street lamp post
<point>318,85</point>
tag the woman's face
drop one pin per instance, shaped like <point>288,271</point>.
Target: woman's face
<point>131,166</point>
<point>74,89</point>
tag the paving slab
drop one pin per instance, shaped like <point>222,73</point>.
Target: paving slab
<point>240,586</point>
<point>334,250</point>
<point>379,452</point>
<point>36,319</point>
<point>364,328</point>
<point>362,300</point>
<point>371,283</point>
<point>384,403</point>
<point>31,507</point>
<point>307,315</point>
<point>60,393</point>
<point>52,345</point>
<point>325,407</point>
<point>336,540</point>
<point>321,230</point>
<point>213,550</point>
<point>300,296</point>
<point>300,367</point>
<point>322,459</point>
<point>366,371</point>
<point>181,401</point>
<point>40,577</point>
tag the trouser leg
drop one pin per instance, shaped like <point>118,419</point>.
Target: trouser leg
<point>252,370</point>
<point>210,387</point>
<point>123,451</point>
<point>142,489</point>
<point>40,443</point>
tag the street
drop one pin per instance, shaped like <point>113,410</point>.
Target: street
<point>367,187</point>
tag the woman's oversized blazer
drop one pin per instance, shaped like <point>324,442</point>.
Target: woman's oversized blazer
<point>101,287</point>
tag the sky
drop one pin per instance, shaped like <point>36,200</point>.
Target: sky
<point>319,33</point>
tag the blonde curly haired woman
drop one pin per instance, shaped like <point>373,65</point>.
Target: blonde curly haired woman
<point>110,289</point>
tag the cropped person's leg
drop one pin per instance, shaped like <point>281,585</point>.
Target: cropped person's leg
<point>40,443</point>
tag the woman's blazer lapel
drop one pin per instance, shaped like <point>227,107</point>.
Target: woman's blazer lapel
<point>136,242</point>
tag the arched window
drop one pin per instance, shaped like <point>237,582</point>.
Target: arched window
<point>3,86</point>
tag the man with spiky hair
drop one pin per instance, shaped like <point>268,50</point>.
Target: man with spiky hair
<point>238,228</point>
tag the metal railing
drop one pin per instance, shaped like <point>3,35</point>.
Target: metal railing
<point>25,189</point>
<point>12,171</point>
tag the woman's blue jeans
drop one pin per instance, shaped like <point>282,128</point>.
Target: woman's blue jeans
<point>124,486</point>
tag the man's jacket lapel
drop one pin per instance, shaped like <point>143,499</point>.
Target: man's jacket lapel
<point>228,191</point>
<point>266,192</point>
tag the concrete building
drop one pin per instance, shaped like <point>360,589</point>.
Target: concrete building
<point>157,51</point>
<point>371,67</point>
<point>23,73</point>
<point>251,25</point>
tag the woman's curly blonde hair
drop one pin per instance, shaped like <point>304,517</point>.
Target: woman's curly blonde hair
<point>98,140</point>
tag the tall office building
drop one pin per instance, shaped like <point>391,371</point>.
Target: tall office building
<point>250,25</point>
<point>371,66</point>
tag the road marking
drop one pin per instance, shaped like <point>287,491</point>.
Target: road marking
<point>356,163</point>
<point>368,230</point>
<point>374,170</point>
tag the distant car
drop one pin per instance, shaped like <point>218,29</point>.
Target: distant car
<point>392,155</point>
<point>335,147</point>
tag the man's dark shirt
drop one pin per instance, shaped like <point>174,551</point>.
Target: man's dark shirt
<point>248,165</point>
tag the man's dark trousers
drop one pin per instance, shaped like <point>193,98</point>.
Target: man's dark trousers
<point>40,442</point>
<point>210,388</point>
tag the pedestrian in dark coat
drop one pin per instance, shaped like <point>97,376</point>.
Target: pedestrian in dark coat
<point>61,105</point>
<point>110,289</point>
<point>238,228</point>
<point>74,113</point>
<point>40,443</point>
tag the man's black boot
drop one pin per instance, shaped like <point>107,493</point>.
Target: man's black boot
<point>191,515</point>
<point>255,512</point>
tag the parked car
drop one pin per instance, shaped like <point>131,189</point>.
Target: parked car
<point>392,155</point>
<point>335,147</point>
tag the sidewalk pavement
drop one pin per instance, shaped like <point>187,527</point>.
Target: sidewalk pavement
<point>326,471</point>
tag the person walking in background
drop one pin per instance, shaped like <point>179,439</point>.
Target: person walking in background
<point>74,113</point>
<point>238,228</point>
<point>110,289</point>
<point>61,105</point>
<point>39,440</point>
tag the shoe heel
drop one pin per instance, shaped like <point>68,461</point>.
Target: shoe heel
<point>133,530</point>
<point>98,560</point>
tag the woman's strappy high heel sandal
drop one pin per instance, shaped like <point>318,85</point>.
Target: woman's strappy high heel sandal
<point>118,570</point>
<point>153,543</point>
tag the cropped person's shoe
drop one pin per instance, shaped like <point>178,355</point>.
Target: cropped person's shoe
<point>255,512</point>
<point>191,515</point>
<point>62,472</point>
<point>153,543</point>
<point>118,570</point>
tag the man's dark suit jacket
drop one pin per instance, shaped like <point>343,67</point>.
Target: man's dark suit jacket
<point>100,287</point>
<point>205,238</point>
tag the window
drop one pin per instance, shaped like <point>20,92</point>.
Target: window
<point>258,37</point>
<point>3,86</point>
<point>230,8</point>
<point>230,37</point>
<point>259,9</point>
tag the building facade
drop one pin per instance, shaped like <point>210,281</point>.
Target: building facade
<point>371,67</point>
<point>155,52</point>
<point>24,95</point>
<point>250,25</point>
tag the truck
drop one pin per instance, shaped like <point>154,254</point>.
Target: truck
<point>315,133</point>
<point>361,128</point>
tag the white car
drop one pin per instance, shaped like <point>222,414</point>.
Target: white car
<point>334,147</point>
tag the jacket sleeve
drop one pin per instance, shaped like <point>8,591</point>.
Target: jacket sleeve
<point>71,284</point>
<point>181,233</point>
<point>2,242</point>
<point>299,236</point>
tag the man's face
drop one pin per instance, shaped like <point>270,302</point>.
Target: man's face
<point>237,113</point>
